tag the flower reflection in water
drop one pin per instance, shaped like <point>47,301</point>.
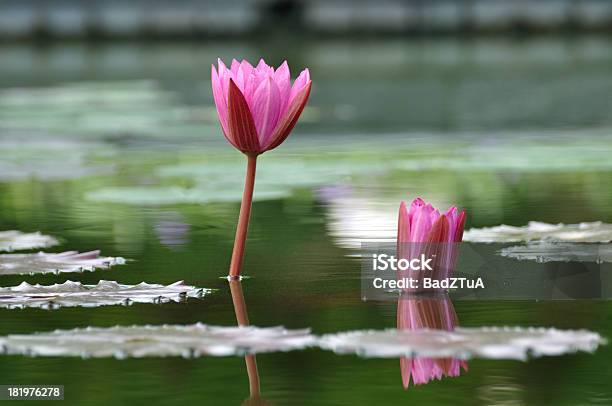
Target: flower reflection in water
<point>431,312</point>
<point>423,230</point>
<point>251,362</point>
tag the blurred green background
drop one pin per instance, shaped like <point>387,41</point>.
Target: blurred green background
<point>110,141</point>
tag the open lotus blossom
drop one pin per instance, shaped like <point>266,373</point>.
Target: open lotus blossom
<point>257,107</point>
<point>422,229</point>
<point>427,313</point>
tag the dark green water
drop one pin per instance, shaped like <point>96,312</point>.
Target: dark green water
<point>510,131</point>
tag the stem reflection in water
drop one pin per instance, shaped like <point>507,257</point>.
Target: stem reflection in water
<point>242,318</point>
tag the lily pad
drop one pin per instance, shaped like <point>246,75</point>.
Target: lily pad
<point>75,294</point>
<point>42,262</point>
<point>157,341</point>
<point>464,343</point>
<point>560,252</point>
<point>526,154</point>
<point>288,172</point>
<point>136,106</point>
<point>13,240</point>
<point>535,230</point>
<point>37,157</point>
<point>168,195</point>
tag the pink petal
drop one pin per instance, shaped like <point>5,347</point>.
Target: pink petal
<point>433,213</point>
<point>436,238</point>
<point>451,213</point>
<point>263,67</point>
<point>282,77</point>
<point>220,101</point>
<point>403,226</point>
<point>265,108</point>
<point>459,228</point>
<point>240,122</point>
<point>234,68</point>
<point>289,119</point>
<point>414,205</point>
<point>420,225</point>
<point>245,74</point>
<point>222,67</point>
<point>300,83</point>
<point>417,202</point>
<point>258,76</point>
<point>224,77</point>
<point>246,66</point>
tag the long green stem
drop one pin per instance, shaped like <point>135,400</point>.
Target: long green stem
<point>243,219</point>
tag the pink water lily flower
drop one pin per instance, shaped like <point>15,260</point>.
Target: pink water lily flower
<point>422,229</point>
<point>422,222</point>
<point>258,106</point>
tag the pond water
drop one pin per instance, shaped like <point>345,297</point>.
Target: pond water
<point>117,147</point>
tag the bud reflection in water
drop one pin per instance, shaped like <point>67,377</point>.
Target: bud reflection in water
<point>416,313</point>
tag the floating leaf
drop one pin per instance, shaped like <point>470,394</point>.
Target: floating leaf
<point>299,170</point>
<point>162,195</point>
<point>38,157</point>
<point>13,240</point>
<point>73,294</point>
<point>495,343</point>
<point>158,341</point>
<point>560,252</point>
<point>220,181</point>
<point>134,106</point>
<point>535,230</point>
<point>516,154</point>
<point>42,262</point>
